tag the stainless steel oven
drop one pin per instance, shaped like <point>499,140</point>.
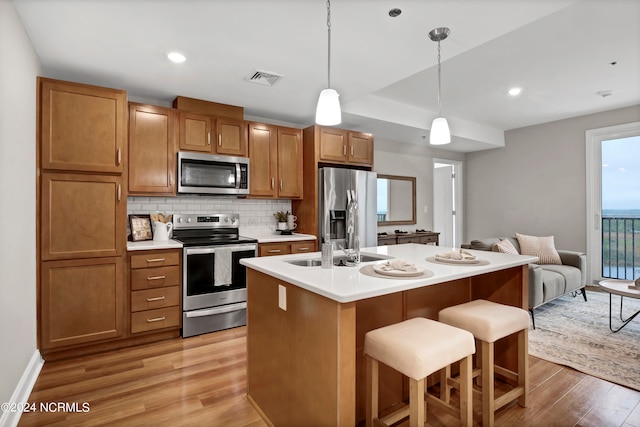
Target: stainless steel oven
<point>213,280</point>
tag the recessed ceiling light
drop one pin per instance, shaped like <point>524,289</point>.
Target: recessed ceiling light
<point>514,91</point>
<point>176,57</point>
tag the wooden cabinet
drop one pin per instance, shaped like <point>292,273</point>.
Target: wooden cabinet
<point>81,213</point>
<point>81,216</point>
<point>153,144</point>
<point>276,161</point>
<point>81,301</point>
<point>286,247</point>
<point>155,279</point>
<point>82,128</point>
<point>342,146</point>
<point>209,134</point>
<point>398,239</point>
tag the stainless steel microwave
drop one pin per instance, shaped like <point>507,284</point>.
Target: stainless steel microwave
<point>200,173</point>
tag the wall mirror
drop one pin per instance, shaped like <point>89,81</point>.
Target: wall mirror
<point>396,200</point>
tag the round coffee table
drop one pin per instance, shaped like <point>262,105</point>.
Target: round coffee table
<point>621,288</point>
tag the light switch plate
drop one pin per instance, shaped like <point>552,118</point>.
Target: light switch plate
<point>282,297</point>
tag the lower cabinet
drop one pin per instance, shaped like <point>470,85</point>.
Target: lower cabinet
<point>155,290</point>
<point>399,239</point>
<point>286,247</point>
<point>82,301</point>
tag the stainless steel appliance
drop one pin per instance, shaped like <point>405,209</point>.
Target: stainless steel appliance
<point>200,173</point>
<point>339,189</point>
<point>214,283</point>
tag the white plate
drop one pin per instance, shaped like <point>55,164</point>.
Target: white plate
<point>458,261</point>
<point>398,273</point>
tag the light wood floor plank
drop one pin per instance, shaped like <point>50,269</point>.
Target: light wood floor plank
<point>202,381</point>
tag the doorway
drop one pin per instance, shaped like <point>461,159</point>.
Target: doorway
<point>613,202</point>
<point>447,201</point>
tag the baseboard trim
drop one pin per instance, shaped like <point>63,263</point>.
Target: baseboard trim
<point>23,390</point>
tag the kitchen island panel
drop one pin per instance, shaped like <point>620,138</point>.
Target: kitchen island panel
<point>301,362</point>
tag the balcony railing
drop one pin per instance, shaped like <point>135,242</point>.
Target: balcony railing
<point>621,247</point>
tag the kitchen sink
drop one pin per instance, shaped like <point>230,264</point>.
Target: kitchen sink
<point>339,260</point>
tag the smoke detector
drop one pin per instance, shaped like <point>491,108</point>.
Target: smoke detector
<point>266,78</point>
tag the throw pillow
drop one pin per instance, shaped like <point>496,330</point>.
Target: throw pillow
<point>542,247</point>
<point>506,247</point>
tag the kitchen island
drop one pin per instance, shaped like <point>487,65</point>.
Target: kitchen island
<point>306,326</point>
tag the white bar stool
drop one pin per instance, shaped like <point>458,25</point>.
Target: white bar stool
<point>489,322</point>
<point>417,348</point>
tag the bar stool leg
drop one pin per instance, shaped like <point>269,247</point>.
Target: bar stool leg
<point>466,391</point>
<point>523,365</point>
<point>488,392</point>
<point>372,390</point>
<point>445,389</point>
<point>417,410</point>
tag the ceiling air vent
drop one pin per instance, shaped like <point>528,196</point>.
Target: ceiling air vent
<point>263,77</point>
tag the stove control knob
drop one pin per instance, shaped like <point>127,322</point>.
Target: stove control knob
<point>188,219</point>
<point>180,220</point>
<point>234,219</point>
<point>226,219</point>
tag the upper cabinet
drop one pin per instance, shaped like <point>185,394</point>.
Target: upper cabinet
<point>345,147</point>
<point>275,161</point>
<point>153,143</point>
<point>83,128</point>
<point>209,134</point>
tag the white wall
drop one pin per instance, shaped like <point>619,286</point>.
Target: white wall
<point>536,184</point>
<point>396,158</point>
<point>18,70</point>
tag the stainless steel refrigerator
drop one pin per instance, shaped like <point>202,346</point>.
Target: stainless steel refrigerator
<point>347,207</point>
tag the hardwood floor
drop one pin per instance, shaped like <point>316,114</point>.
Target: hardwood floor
<point>202,381</point>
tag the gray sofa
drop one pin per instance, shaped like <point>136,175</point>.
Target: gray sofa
<point>547,281</point>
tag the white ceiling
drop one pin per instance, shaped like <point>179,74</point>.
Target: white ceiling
<point>558,51</point>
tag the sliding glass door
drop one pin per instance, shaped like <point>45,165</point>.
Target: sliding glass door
<point>613,202</point>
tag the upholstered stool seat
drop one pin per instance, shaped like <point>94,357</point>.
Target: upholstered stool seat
<point>490,322</point>
<point>417,348</point>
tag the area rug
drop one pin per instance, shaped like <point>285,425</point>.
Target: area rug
<point>575,333</point>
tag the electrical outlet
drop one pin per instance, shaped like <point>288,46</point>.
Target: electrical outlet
<point>426,209</point>
<point>282,297</point>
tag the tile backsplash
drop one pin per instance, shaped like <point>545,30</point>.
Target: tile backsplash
<point>255,215</point>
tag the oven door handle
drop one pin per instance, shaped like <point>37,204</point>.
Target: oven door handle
<point>234,248</point>
<point>218,310</point>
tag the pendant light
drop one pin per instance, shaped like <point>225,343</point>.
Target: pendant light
<point>439,134</point>
<point>328,111</point>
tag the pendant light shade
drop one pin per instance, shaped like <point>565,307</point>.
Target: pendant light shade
<point>328,111</point>
<point>440,133</point>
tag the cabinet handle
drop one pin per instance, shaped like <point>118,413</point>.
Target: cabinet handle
<point>157,319</point>
<point>352,151</point>
<point>156,277</point>
<point>274,251</point>
<point>280,184</point>
<point>209,138</point>
<point>219,140</point>
<point>273,183</point>
<point>303,249</point>
<point>119,192</point>
<point>155,299</point>
<point>156,260</point>
<point>170,178</point>
<point>119,156</point>
<point>344,150</point>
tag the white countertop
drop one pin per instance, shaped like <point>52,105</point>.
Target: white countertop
<point>146,245</point>
<point>347,284</point>
<point>271,237</point>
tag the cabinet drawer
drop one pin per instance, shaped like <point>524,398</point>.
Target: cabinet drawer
<point>402,240</point>
<point>155,298</point>
<point>272,249</point>
<point>155,277</point>
<point>150,320</point>
<point>303,247</point>
<point>155,259</point>
<point>428,239</point>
